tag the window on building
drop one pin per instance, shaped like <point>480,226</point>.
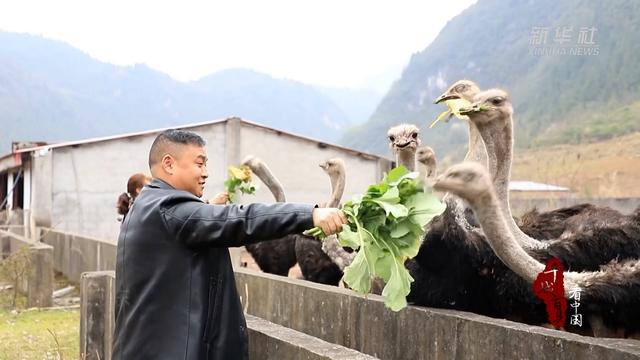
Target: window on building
<point>4,177</point>
<point>18,191</point>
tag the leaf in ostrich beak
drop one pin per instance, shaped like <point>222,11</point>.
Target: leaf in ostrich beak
<point>473,109</point>
<point>440,117</point>
<point>454,106</point>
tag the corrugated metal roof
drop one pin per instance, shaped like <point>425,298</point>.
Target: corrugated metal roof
<point>534,186</point>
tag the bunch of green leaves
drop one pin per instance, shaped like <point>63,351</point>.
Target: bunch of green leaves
<point>239,180</point>
<point>385,226</point>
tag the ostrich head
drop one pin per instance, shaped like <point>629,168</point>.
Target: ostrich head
<point>468,180</point>
<point>461,89</point>
<point>426,163</point>
<point>333,166</point>
<point>489,106</point>
<point>425,155</point>
<point>262,171</point>
<point>404,137</point>
<point>251,161</point>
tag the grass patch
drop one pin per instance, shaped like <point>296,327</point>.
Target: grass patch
<point>30,334</point>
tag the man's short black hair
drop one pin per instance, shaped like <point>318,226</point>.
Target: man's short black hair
<point>168,139</point>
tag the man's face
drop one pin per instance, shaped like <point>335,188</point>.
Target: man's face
<point>190,172</point>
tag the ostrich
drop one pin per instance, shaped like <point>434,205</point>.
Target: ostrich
<point>335,168</point>
<point>467,89</point>
<point>535,224</point>
<point>545,225</point>
<point>317,263</point>
<point>426,163</point>
<point>611,294</point>
<point>592,236</point>
<point>403,141</point>
<point>275,256</point>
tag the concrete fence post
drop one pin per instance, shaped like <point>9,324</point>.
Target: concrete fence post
<point>97,291</point>
<point>40,279</point>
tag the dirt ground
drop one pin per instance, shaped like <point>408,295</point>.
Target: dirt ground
<point>605,169</point>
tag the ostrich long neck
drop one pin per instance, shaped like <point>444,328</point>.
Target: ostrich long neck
<point>264,173</point>
<point>498,139</point>
<point>427,170</point>
<point>337,188</point>
<point>504,244</point>
<point>500,238</point>
<point>477,151</point>
<point>330,245</point>
<point>406,157</point>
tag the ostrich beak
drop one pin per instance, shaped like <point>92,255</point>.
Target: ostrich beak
<point>248,159</point>
<point>443,183</point>
<point>445,97</point>
<point>323,166</point>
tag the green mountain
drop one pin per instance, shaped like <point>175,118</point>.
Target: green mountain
<point>572,67</point>
<point>50,91</point>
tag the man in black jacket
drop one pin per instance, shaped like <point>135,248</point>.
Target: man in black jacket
<point>175,290</point>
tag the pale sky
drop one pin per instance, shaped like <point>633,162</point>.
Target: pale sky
<point>329,42</point>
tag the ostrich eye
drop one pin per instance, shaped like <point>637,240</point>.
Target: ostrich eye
<point>414,135</point>
<point>460,87</point>
<point>468,177</point>
<point>392,138</point>
<point>497,101</point>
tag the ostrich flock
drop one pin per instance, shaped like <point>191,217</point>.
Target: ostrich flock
<point>475,256</point>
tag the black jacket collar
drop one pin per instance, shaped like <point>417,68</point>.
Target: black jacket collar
<point>160,184</point>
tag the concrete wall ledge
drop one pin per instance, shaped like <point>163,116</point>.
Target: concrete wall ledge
<point>270,341</point>
<point>340,316</point>
<point>75,254</point>
<point>37,284</point>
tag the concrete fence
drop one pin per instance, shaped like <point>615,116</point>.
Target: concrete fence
<point>38,282</point>
<point>320,315</point>
<point>364,324</point>
<point>75,254</point>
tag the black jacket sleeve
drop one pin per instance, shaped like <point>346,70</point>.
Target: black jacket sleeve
<point>197,224</point>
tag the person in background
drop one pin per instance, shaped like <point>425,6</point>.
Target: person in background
<point>134,186</point>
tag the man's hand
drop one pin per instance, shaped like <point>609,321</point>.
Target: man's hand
<point>330,220</point>
<point>220,198</point>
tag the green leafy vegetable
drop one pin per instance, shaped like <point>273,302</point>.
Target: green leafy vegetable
<point>386,226</point>
<point>239,180</point>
